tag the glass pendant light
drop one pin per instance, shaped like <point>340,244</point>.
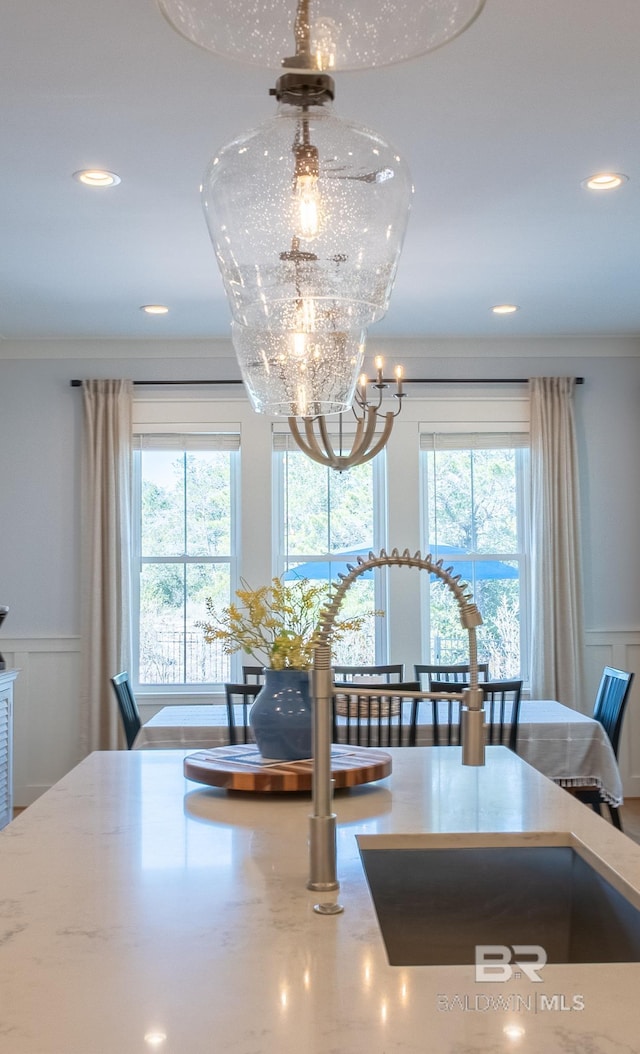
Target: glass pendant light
<point>307,215</point>
<point>343,34</point>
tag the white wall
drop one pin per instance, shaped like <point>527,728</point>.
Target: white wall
<point>40,437</point>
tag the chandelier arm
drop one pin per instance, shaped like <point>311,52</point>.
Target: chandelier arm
<point>361,441</point>
<point>329,459</point>
<point>384,435</point>
<point>311,449</point>
<point>326,440</point>
<point>372,417</point>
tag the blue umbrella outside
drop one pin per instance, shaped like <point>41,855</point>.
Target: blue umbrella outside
<point>323,570</point>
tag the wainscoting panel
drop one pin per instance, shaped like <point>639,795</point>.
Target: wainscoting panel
<point>621,649</point>
<point>46,712</point>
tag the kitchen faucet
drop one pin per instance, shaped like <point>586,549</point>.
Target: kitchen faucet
<point>323,862</point>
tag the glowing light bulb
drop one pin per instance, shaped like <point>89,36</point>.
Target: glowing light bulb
<point>324,35</point>
<point>299,341</point>
<point>305,320</point>
<point>308,207</point>
<point>306,192</point>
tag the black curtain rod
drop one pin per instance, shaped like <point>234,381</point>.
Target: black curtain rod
<point>405,380</point>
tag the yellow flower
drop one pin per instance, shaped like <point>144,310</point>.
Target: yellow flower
<point>277,622</point>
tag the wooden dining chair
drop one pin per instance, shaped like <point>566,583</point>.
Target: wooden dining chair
<point>385,674</point>
<point>240,695</point>
<point>501,707</point>
<point>457,674</point>
<point>128,707</point>
<point>609,708</point>
<point>379,718</point>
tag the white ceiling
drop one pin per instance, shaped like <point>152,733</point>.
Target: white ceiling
<point>499,128</point>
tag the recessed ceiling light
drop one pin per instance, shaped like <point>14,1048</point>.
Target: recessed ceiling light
<point>97,177</point>
<point>155,309</point>
<point>155,1039</point>
<point>505,309</point>
<point>605,181</point>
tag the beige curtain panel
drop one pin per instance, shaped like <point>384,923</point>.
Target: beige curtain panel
<point>106,557</point>
<point>557,639</point>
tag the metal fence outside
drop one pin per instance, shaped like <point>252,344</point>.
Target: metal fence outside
<point>173,656</point>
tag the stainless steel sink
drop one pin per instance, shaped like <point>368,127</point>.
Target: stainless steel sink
<point>435,903</point>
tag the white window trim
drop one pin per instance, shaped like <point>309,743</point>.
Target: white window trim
<point>506,417</point>
<point>179,438</point>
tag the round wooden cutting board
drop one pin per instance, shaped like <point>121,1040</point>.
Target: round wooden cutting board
<point>242,768</point>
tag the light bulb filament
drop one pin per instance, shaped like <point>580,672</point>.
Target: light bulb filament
<point>305,316</point>
<point>306,191</point>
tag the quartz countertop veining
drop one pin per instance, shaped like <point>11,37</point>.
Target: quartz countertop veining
<point>142,913</point>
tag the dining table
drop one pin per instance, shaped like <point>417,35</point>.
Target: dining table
<point>569,747</point>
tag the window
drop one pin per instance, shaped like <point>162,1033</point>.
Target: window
<point>323,521</point>
<point>185,552</point>
<point>475,519</point>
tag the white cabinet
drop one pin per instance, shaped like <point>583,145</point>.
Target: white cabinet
<point>7,677</point>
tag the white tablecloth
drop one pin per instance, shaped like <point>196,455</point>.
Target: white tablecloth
<point>563,744</point>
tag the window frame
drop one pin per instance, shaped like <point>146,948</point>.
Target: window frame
<point>283,443</point>
<point>482,438</point>
<point>182,442</point>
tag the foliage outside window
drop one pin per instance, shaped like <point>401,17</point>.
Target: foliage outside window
<point>475,520</point>
<point>323,520</point>
<point>184,537</point>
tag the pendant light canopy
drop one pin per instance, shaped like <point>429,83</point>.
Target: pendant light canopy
<point>307,215</point>
<point>343,34</point>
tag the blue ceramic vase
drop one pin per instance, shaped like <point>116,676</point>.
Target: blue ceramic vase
<point>281,716</point>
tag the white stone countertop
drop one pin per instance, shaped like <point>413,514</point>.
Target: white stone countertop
<point>140,912</point>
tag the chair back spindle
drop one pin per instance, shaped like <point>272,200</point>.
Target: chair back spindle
<point>501,706</point>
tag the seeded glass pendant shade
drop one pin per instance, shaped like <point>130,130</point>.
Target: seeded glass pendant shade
<point>307,214</point>
<point>344,34</point>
